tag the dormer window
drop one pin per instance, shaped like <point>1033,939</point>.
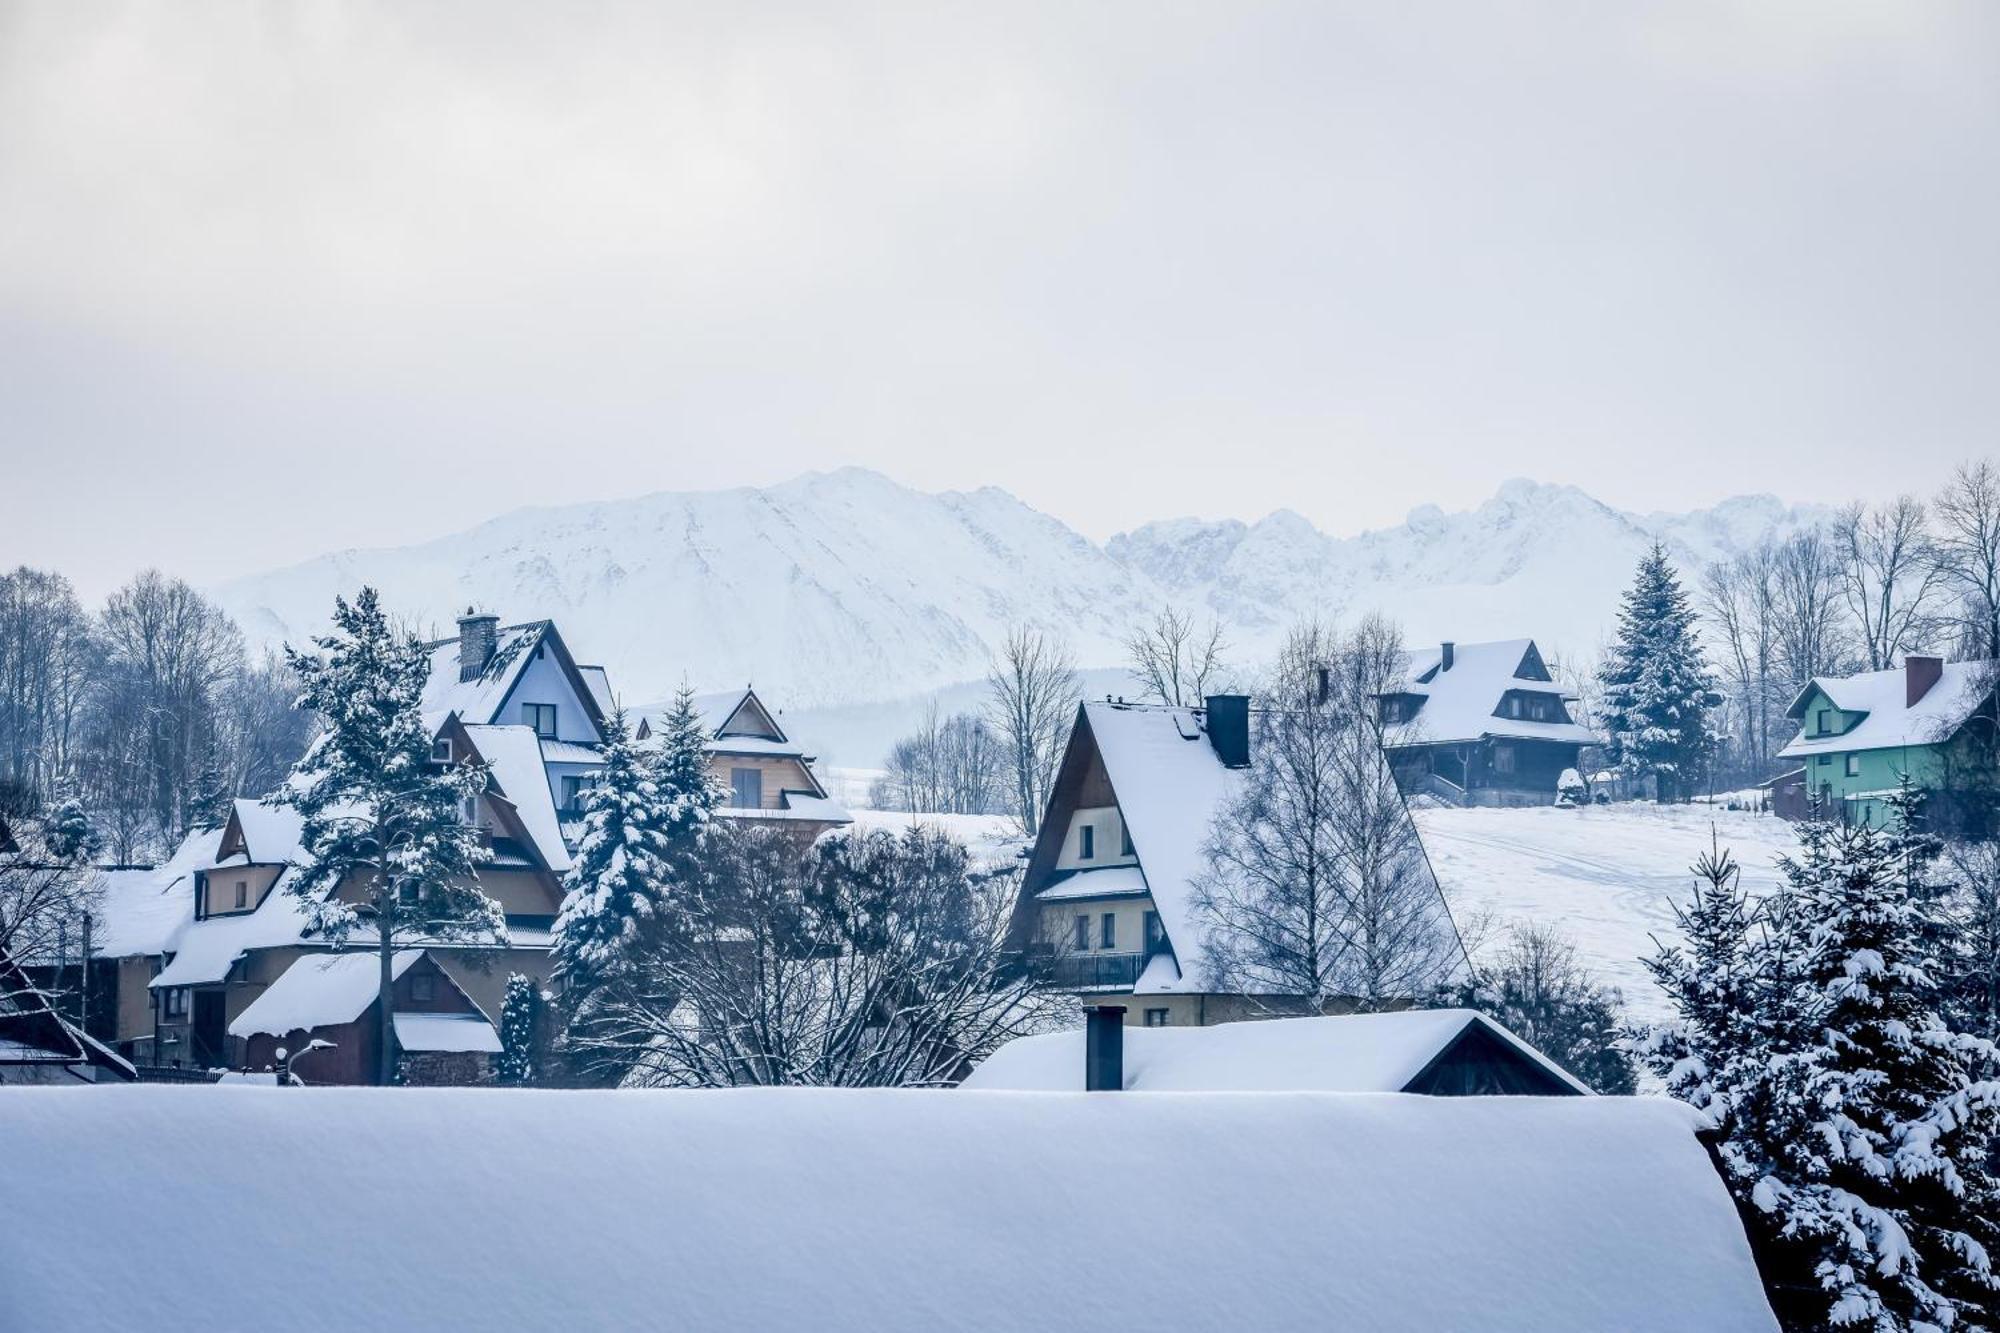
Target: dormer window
<point>541,718</point>
<point>1824,725</point>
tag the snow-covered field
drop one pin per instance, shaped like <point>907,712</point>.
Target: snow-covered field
<point>1607,876</point>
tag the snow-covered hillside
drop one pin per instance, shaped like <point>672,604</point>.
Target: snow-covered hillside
<point>846,587</point>
<point>1606,876</point>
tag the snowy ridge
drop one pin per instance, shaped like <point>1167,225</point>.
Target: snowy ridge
<point>846,587</point>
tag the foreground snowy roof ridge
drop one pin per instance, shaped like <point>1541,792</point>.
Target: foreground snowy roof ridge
<point>847,1209</point>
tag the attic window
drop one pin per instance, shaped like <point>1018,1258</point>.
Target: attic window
<point>423,988</point>
<point>1824,724</point>
<point>541,717</point>
<point>441,750</point>
<point>1086,847</point>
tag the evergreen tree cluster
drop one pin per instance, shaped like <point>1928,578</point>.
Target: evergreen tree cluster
<point>1657,685</point>
<point>1856,1124</point>
<point>520,1022</point>
<point>1538,989</point>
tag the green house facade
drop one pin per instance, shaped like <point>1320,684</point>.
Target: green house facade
<point>1861,736</point>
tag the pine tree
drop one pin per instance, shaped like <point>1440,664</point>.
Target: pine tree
<point>680,764</point>
<point>1657,686</point>
<point>623,865</point>
<point>380,819</point>
<point>520,1012</point>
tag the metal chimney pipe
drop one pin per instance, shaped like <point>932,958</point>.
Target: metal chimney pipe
<point>1104,1049</point>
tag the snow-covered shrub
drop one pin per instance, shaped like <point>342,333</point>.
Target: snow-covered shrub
<point>1570,788</point>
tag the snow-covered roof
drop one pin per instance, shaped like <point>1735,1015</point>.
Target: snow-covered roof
<point>445,1032</point>
<point>841,1209</point>
<point>1462,701</point>
<point>319,990</point>
<point>1889,722</point>
<point>1347,1053</point>
<point>142,911</point>
<point>270,833</point>
<point>1169,784</point>
<point>515,753</point>
<point>569,752</point>
<point>599,685</point>
<point>1105,882</point>
<point>204,951</point>
<point>478,700</point>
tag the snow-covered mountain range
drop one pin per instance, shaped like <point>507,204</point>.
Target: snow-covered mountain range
<point>846,587</point>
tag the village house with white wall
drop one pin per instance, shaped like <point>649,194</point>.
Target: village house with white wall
<point>206,962</point>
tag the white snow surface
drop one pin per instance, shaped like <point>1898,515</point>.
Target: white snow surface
<point>1607,876</point>
<point>846,587</point>
<point>451,1033</point>
<point>1347,1053</point>
<point>1889,724</point>
<point>838,1210</point>
<point>319,990</point>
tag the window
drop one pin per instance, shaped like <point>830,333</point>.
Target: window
<point>573,791</point>
<point>423,988</point>
<point>176,1002</point>
<point>1503,759</point>
<point>1124,838</point>
<point>1154,936</point>
<point>468,810</point>
<point>1086,842</point>
<point>542,717</point>
<point>1825,759</point>
<point>748,786</point>
<point>441,750</point>
<point>1082,931</point>
<point>1107,936</point>
<point>406,895</point>
<point>1824,722</point>
<point>242,894</point>
<point>1156,1018</point>
<point>1853,769</point>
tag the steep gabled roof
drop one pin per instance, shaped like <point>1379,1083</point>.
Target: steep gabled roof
<point>1888,721</point>
<point>1386,1052</point>
<point>1168,783</point>
<point>482,699</point>
<point>1462,702</point>
<point>320,990</point>
<point>520,780</point>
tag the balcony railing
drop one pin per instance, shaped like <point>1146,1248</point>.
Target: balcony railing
<point>1085,971</point>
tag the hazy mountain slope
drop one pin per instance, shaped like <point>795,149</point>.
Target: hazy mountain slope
<point>846,587</point>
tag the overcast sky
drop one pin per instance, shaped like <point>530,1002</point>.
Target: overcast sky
<point>275,280</point>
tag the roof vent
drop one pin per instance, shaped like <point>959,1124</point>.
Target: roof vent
<point>477,637</point>
<point>1919,674</point>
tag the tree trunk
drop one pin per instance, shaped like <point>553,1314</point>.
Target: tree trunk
<point>385,1060</point>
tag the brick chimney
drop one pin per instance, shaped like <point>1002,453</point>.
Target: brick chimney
<point>1919,674</point>
<point>1229,728</point>
<point>477,635</point>
<point>1447,656</point>
<point>1104,1049</point>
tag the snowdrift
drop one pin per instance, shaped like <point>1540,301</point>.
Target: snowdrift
<point>241,1207</point>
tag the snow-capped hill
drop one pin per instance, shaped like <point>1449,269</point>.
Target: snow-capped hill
<point>847,587</point>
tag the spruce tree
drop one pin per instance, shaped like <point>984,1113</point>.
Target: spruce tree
<point>385,841</point>
<point>68,834</point>
<point>519,1014</point>
<point>208,803</point>
<point>1856,1126</point>
<point>622,867</point>
<point>1657,686</point>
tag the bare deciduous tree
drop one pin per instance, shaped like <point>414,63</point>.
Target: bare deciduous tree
<point>1740,603</point>
<point>1968,541</point>
<point>1178,661</point>
<point>1317,889</point>
<point>45,649</point>
<point>1890,577</point>
<point>869,960</point>
<point>953,766</point>
<point>1806,579</point>
<point>1033,704</point>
